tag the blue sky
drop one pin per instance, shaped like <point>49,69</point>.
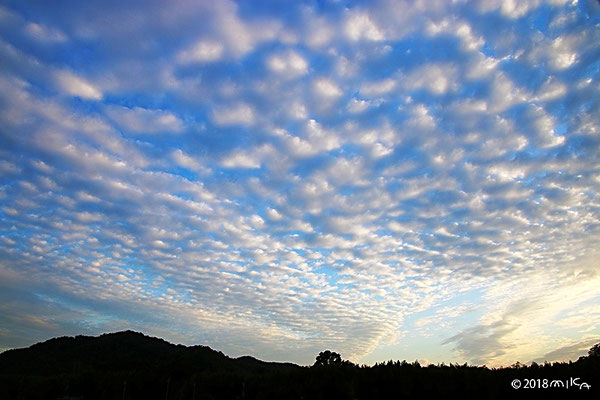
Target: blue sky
<point>388,180</point>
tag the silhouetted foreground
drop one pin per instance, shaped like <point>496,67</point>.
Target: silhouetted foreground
<point>130,365</point>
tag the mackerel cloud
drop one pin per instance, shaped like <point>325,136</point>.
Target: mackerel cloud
<point>389,180</point>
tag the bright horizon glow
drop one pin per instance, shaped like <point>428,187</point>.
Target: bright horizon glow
<point>388,180</point>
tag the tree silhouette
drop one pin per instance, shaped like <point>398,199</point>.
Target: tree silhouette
<point>328,358</point>
<point>594,351</point>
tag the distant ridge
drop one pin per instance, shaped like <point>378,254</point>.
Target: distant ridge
<point>120,351</point>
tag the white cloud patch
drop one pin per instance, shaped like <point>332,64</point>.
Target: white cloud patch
<point>145,121</point>
<point>238,114</point>
<point>562,52</point>
<point>204,51</point>
<point>289,64</point>
<point>321,139</point>
<point>551,90</point>
<point>435,78</point>
<point>74,85</point>
<point>509,8</point>
<point>373,89</point>
<point>562,55</point>
<point>505,93</point>
<point>359,26</point>
<point>242,36</point>
<point>248,159</point>
<point>186,161</point>
<point>44,33</point>
<point>298,110</point>
<point>542,125</point>
<point>462,30</point>
<point>88,217</point>
<point>318,31</point>
<point>274,215</point>
<point>347,172</point>
<point>356,106</point>
<point>326,89</point>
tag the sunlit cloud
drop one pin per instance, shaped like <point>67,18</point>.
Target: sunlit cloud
<point>389,180</point>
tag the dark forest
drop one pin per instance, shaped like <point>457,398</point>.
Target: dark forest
<point>130,365</point>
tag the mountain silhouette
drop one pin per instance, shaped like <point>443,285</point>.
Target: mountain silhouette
<point>130,365</point>
<point>121,351</point>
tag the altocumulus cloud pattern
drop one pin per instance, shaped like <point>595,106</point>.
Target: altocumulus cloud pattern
<point>390,179</point>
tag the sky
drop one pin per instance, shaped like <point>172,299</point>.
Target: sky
<point>406,180</point>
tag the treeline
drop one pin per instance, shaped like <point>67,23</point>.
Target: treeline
<point>129,365</point>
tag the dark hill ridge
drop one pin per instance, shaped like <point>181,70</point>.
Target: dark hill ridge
<point>130,365</point>
<point>121,351</point>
